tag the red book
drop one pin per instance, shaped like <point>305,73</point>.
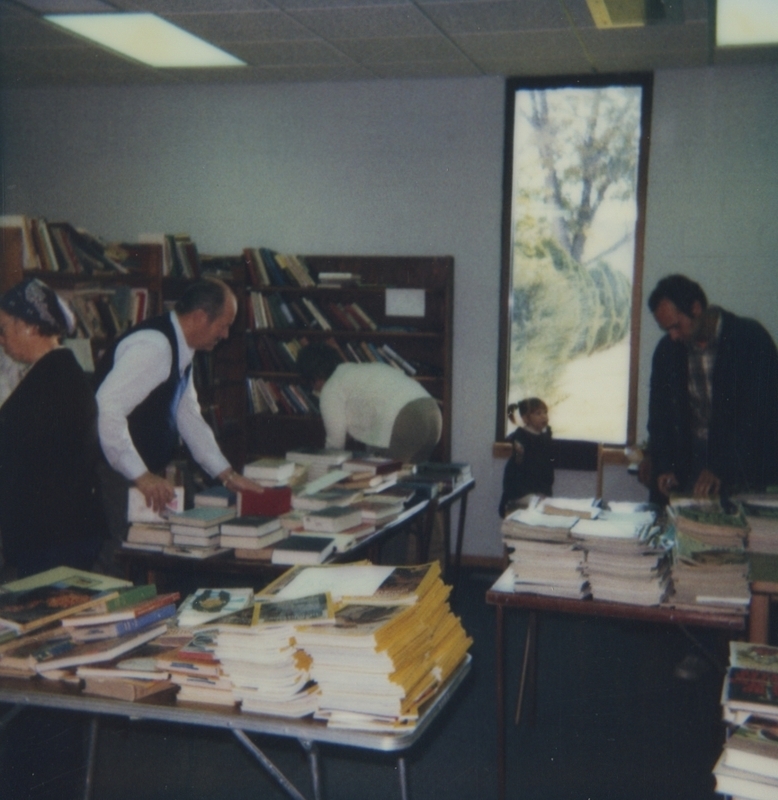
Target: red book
<point>272,502</point>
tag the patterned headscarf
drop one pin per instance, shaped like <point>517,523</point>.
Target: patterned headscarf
<point>36,304</point>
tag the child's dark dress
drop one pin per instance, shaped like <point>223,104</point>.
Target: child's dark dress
<point>535,474</point>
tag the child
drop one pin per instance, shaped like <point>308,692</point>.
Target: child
<point>530,469</point>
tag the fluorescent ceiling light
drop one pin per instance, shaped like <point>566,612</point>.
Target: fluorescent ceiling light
<point>146,38</point>
<point>746,22</point>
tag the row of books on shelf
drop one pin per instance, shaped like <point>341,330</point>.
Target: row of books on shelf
<point>61,247</point>
<point>357,646</point>
<point>271,310</point>
<point>274,397</point>
<point>180,257</point>
<point>748,765</point>
<point>273,354</point>
<point>103,313</point>
<point>265,267</point>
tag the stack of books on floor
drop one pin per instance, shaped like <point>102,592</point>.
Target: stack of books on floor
<point>710,568</point>
<point>748,765</point>
<point>394,641</point>
<point>626,559</point>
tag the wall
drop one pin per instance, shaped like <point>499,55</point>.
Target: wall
<point>398,167</point>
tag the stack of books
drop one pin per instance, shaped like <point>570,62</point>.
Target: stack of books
<point>215,496</point>
<point>196,531</point>
<point>393,643</point>
<point>121,618</point>
<point>258,653</point>
<point>270,471</point>
<point>710,568</point>
<point>762,517</point>
<point>626,561</point>
<point>535,525</point>
<point>318,460</point>
<point>149,530</point>
<point>555,569</point>
<point>250,536</point>
<point>748,766</point>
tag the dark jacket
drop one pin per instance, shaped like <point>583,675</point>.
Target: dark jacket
<point>48,455</point>
<point>535,473</point>
<point>743,430</point>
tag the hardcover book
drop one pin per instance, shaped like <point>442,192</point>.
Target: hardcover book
<point>332,519</point>
<point>299,549</point>
<point>202,516</point>
<point>251,525</point>
<point>270,502</point>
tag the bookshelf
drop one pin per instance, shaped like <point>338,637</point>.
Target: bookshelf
<point>409,301</point>
<point>405,315</point>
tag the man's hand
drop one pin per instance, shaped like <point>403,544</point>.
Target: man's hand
<point>237,482</point>
<point>157,491</point>
<point>666,482</point>
<point>707,485</point>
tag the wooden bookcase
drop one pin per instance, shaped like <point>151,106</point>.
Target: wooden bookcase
<point>425,340</point>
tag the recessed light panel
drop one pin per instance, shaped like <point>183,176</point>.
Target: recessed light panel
<point>146,38</point>
<point>740,23</point>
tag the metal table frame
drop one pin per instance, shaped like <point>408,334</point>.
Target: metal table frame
<point>598,608</point>
<point>308,732</point>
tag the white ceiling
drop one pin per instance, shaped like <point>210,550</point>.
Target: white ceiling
<point>328,40</point>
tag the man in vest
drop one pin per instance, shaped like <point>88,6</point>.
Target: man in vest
<point>146,396</point>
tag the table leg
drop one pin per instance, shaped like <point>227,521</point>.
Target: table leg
<point>460,537</point>
<point>90,758</point>
<point>276,773</point>
<point>759,619</point>
<point>313,760</point>
<point>528,665</point>
<point>9,716</point>
<point>500,680</point>
<point>403,775</point>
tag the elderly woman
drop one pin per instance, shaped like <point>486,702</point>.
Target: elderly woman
<point>50,509</point>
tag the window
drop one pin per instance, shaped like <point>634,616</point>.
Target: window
<point>576,157</point>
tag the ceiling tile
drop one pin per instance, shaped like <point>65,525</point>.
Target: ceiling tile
<point>496,16</point>
<point>397,50</point>
<point>241,26</point>
<point>366,22</point>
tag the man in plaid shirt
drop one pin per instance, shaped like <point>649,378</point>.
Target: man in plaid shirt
<point>713,404</point>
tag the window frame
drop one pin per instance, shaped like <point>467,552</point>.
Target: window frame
<point>569,448</point>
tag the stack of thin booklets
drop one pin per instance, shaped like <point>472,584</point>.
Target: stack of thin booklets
<point>260,664</point>
<point>748,766</point>
<point>543,559</point>
<point>393,643</point>
<point>626,559</point>
<point>710,567</point>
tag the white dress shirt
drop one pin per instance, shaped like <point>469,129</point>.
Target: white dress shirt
<point>141,363</point>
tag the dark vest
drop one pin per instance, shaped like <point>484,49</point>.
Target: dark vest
<point>152,423</point>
